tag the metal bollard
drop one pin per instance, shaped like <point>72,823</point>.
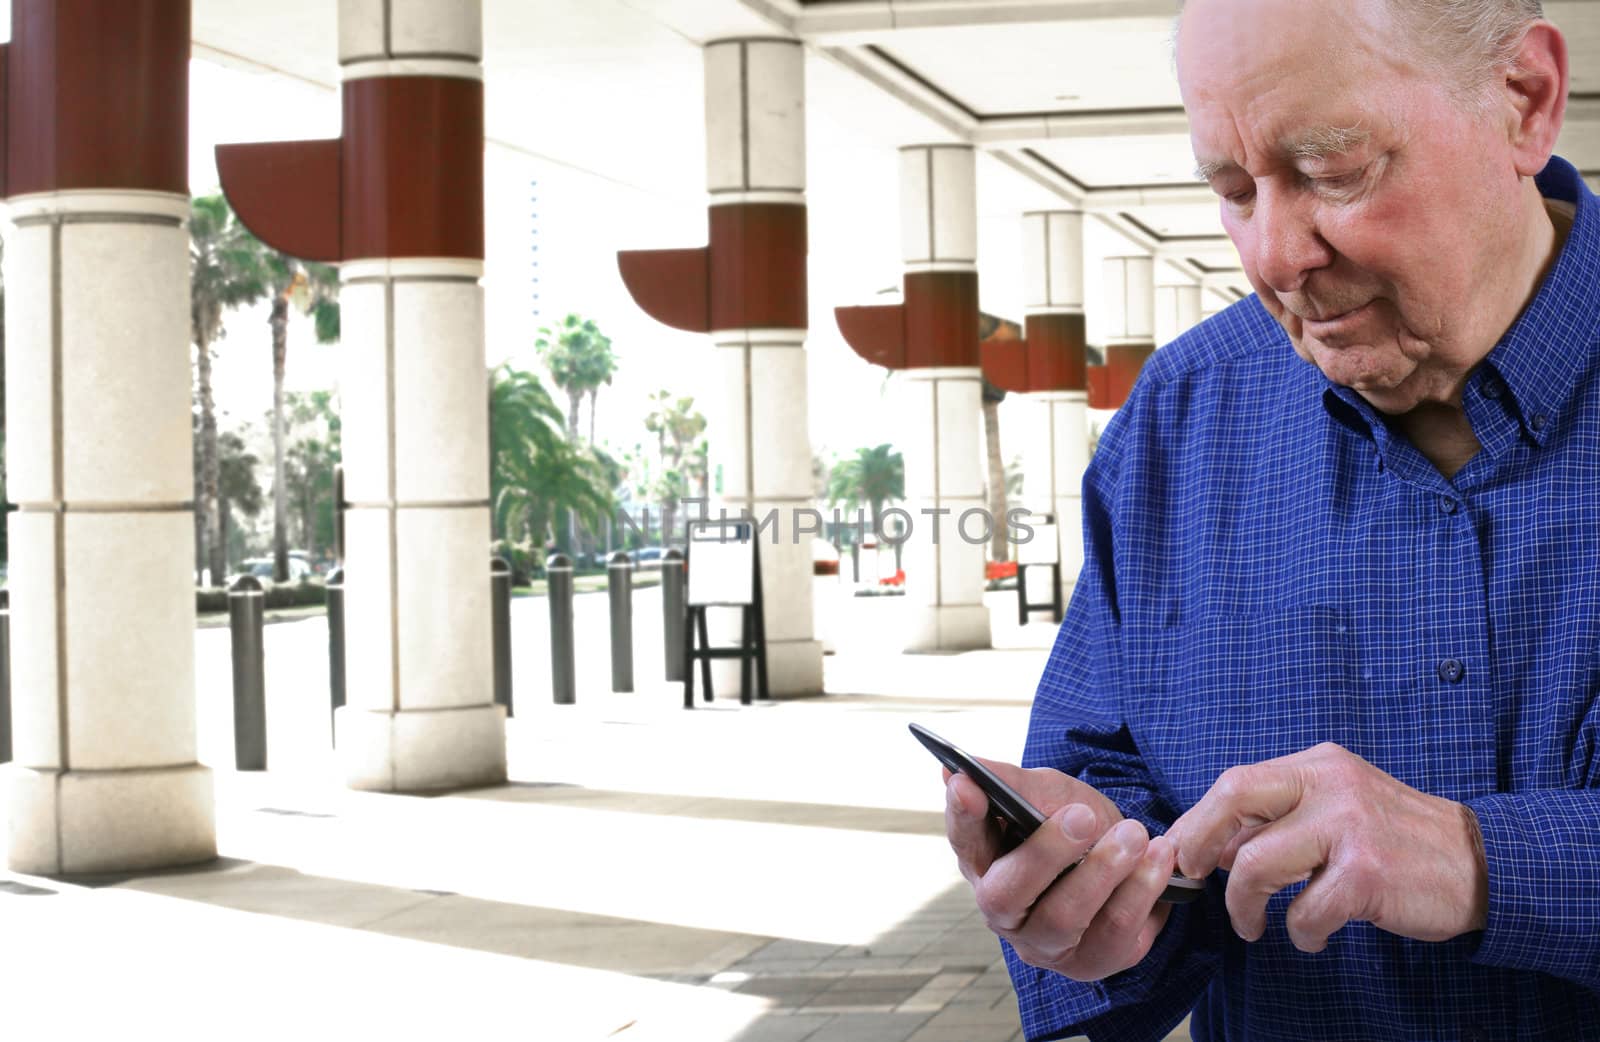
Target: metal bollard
<point>338,513</point>
<point>619,589</point>
<point>673,615</point>
<point>5,676</point>
<point>500,601</point>
<point>336,638</point>
<point>245,603</point>
<point>855,563</point>
<point>564,684</point>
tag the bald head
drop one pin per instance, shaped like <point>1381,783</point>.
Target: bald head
<point>1465,40</point>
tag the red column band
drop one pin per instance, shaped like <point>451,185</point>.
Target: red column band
<point>941,319</point>
<point>758,266</point>
<point>97,96</point>
<point>405,180</point>
<point>1110,384</point>
<point>1056,352</point>
<point>751,276</point>
<point>412,168</point>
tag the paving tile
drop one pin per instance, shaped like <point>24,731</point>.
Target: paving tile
<point>787,991</point>
<point>976,1016</point>
<point>798,1027</point>
<point>777,966</point>
<point>864,962</point>
<point>784,949</point>
<point>931,1033</point>
<point>870,1027</point>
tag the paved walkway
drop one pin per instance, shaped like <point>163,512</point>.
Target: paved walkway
<point>775,873</point>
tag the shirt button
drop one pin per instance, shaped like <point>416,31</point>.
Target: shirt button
<point>1451,671</point>
<point>1539,422</point>
<point>1493,388</point>
<point>1448,505</point>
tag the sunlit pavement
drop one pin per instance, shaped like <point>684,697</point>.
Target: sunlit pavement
<point>772,873</point>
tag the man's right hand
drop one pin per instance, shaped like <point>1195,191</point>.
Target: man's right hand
<point>1098,920</point>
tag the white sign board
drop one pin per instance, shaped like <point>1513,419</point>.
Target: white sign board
<point>1038,585</point>
<point>1045,546</point>
<point>722,562</point>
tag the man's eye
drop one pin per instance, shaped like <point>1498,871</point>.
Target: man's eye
<point>1339,183</point>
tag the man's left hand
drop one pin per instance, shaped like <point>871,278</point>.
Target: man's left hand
<point>1372,848</point>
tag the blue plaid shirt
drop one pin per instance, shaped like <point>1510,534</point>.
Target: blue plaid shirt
<point>1269,566</point>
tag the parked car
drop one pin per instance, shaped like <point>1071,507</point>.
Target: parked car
<point>262,568</point>
<point>649,557</point>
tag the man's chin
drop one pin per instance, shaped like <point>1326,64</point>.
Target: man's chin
<point>1377,376</point>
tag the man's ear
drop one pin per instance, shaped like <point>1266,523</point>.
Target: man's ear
<point>1536,85</point>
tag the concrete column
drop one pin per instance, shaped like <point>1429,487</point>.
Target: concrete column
<point>98,443</point>
<point>421,713</point>
<point>941,389</point>
<point>397,202</point>
<point>755,172</point>
<point>1058,446</point>
<point>1177,311</point>
<point>1130,329</point>
<point>747,289</point>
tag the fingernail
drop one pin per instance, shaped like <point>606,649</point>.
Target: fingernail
<point>1129,835</point>
<point>1077,823</point>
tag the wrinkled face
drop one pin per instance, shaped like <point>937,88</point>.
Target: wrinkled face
<point>1371,208</point>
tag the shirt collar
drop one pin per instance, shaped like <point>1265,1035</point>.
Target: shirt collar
<point>1539,360</point>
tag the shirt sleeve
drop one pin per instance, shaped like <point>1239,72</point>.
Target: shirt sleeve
<point>1543,853</point>
<point>1077,726</point>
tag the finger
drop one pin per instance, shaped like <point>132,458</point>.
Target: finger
<point>1242,797</point>
<point>1013,883</point>
<point>1279,855</point>
<point>1239,839</point>
<point>1050,790</point>
<point>1322,908</point>
<point>1121,923</point>
<point>973,835</point>
<point>1061,917</point>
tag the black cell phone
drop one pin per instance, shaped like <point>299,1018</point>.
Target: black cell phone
<point>1018,817</point>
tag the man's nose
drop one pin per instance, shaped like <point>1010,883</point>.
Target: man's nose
<point>1288,246</point>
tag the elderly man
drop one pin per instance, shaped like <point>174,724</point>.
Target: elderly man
<point>1338,632</point>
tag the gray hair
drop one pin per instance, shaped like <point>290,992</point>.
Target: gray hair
<point>1473,38</point>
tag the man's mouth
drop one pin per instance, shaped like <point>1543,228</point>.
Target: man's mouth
<point>1336,323</point>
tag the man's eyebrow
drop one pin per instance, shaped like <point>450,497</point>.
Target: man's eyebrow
<point>1206,169</point>
<point>1324,141</point>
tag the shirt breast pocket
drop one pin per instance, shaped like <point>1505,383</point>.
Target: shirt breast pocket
<point>1215,691</point>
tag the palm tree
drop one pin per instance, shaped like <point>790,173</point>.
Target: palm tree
<point>237,487</point>
<point>537,474</point>
<point>314,288</point>
<point>991,328</point>
<point>314,451</point>
<point>225,272</point>
<point>580,360</point>
<point>873,477</point>
<point>999,545</point>
<point>679,429</point>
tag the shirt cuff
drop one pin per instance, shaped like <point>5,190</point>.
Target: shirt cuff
<point>1543,854</point>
